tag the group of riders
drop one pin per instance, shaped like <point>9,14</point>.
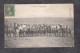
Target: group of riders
<point>37,29</point>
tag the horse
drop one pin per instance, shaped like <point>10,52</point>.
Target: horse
<point>64,31</point>
<point>20,31</point>
<point>68,31</point>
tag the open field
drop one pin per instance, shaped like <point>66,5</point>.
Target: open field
<point>39,41</point>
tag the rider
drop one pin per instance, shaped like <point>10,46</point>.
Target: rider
<point>15,26</point>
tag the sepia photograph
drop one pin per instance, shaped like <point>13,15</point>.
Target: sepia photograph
<point>38,25</point>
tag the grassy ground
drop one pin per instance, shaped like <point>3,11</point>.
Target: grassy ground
<point>39,41</point>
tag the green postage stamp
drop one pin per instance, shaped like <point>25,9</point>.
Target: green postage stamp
<point>9,10</point>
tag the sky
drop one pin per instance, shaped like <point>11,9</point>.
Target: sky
<point>43,10</point>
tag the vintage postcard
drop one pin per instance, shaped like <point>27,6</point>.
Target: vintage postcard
<point>38,25</point>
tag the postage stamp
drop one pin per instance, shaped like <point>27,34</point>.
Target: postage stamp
<point>9,10</point>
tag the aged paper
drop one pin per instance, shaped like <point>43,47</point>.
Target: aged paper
<point>38,25</point>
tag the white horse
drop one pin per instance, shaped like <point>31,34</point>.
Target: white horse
<point>20,30</point>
